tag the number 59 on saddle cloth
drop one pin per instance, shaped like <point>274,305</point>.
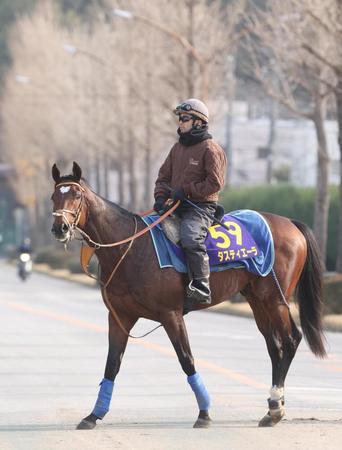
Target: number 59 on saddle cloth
<point>248,244</point>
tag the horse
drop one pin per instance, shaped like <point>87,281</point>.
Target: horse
<point>139,288</point>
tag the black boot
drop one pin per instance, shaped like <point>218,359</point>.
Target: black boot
<point>199,290</point>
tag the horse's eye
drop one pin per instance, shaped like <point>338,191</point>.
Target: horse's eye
<point>78,194</point>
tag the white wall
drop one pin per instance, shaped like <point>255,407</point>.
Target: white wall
<point>295,146</point>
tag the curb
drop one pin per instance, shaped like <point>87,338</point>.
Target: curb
<point>64,274</point>
<point>332,322</point>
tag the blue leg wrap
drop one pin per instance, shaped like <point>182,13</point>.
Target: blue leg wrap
<point>103,399</point>
<point>201,393</point>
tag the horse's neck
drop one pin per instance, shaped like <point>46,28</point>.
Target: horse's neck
<point>107,223</point>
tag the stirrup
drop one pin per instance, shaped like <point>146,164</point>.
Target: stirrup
<point>204,298</point>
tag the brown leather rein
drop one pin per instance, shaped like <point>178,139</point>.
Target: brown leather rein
<point>87,252</point>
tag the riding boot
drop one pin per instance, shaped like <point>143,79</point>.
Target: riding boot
<point>199,289</point>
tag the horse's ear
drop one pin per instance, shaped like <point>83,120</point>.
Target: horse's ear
<point>76,171</point>
<point>56,175</point>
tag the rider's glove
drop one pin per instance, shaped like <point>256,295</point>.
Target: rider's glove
<point>178,194</point>
<point>159,205</point>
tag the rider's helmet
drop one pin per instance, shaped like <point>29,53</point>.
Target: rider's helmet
<point>194,107</point>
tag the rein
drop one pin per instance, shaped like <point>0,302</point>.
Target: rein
<point>97,245</point>
<point>87,252</point>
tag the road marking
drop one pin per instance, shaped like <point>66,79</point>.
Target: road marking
<point>334,368</point>
<point>313,388</point>
<point>232,375</point>
<point>236,376</point>
<point>60,317</point>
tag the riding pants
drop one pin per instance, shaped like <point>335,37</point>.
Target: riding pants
<point>193,231</point>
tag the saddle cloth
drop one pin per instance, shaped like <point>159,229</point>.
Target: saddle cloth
<point>248,244</point>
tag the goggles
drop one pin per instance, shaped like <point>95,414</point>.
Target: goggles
<point>183,107</point>
<point>184,118</point>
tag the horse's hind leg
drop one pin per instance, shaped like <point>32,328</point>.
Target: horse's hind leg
<point>117,345</point>
<point>175,327</point>
<point>282,339</point>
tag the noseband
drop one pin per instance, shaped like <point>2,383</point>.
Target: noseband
<point>76,214</point>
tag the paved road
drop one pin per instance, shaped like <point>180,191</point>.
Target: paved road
<point>53,346</point>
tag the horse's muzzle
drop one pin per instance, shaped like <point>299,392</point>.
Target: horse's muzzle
<point>60,231</point>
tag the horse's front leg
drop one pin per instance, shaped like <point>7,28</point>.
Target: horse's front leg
<point>117,345</point>
<point>175,327</point>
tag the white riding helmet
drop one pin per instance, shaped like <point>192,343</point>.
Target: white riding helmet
<point>194,107</point>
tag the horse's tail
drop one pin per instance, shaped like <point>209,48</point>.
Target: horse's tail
<point>310,294</point>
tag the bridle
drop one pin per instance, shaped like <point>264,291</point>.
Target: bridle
<point>72,227</point>
<point>77,214</point>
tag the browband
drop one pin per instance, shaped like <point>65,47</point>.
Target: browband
<point>66,183</point>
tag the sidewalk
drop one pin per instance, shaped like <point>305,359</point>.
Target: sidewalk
<point>332,322</point>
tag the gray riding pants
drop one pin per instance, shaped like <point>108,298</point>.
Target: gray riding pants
<point>193,231</point>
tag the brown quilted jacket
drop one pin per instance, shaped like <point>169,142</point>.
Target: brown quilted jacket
<point>199,169</point>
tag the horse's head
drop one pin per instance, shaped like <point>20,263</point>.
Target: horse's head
<point>68,203</point>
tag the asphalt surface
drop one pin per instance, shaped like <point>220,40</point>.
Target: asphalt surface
<point>332,322</point>
<point>53,343</point>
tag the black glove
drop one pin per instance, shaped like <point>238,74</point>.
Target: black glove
<point>159,205</point>
<point>178,194</point>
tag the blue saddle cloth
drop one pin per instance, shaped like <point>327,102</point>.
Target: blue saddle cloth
<point>251,223</point>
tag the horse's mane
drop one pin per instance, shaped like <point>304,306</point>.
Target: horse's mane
<point>118,209</point>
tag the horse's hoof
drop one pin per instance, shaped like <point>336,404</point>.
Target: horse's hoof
<point>88,423</point>
<point>202,423</point>
<point>203,420</point>
<point>271,420</point>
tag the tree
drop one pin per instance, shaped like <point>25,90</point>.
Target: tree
<point>9,10</point>
<point>278,61</point>
<point>185,60</point>
<point>100,90</point>
<point>327,19</point>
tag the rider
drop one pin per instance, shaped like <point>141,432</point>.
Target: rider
<point>194,169</point>
<point>25,246</point>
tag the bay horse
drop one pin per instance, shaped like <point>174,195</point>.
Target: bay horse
<point>141,289</point>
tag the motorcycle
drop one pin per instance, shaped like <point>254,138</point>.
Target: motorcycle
<point>24,265</point>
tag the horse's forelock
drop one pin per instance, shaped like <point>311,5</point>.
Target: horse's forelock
<point>71,177</point>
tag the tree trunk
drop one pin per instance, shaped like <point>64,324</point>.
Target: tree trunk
<point>322,198</point>
<point>229,123</point>
<point>132,175</point>
<point>148,143</point>
<point>131,152</point>
<point>148,150</point>
<point>120,167</point>
<point>271,139</point>
<point>338,95</point>
<point>191,63</point>
<point>97,173</point>
<point>121,181</point>
<point>106,169</point>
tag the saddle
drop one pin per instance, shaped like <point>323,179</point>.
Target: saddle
<point>171,225</point>
<point>247,244</point>
<point>171,228</point>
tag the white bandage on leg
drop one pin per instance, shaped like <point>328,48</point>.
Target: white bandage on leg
<point>276,393</point>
